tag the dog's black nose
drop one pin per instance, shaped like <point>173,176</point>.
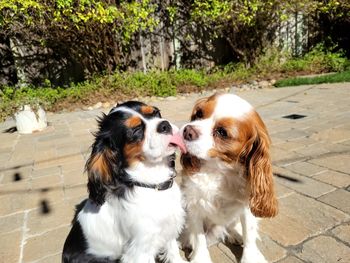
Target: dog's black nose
<point>164,127</point>
<point>190,133</point>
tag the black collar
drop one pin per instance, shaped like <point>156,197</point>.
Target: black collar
<point>158,187</point>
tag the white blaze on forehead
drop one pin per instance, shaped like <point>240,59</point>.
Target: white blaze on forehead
<point>128,110</point>
<point>232,105</point>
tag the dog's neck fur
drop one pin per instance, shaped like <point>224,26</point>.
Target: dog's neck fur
<point>216,177</point>
<point>150,173</point>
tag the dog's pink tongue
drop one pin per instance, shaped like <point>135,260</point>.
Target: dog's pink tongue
<point>178,141</point>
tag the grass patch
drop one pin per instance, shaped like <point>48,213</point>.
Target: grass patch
<point>329,78</point>
<point>116,87</point>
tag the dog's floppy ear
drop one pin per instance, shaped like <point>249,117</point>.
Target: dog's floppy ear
<point>100,168</point>
<point>262,200</point>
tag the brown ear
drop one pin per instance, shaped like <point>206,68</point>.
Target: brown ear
<point>262,200</point>
<point>99,169</point>
<point>99,166</point>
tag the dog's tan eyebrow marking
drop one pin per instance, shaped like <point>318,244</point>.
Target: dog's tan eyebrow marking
<point>147,110</point>
<point>133,121</point>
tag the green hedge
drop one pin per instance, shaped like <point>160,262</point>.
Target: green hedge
<point>169,83</point>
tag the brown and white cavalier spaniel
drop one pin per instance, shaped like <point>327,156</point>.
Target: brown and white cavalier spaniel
<point>227,175</point>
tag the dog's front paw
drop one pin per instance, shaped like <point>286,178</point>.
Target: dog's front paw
<point>235,238</point>
<point>180,261</point>
<point>201,259</point>
<point>252,256</point>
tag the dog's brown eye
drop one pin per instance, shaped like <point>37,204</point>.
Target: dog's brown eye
<point>221,132</point>
<point>135,134</point>
<point>199,114</point>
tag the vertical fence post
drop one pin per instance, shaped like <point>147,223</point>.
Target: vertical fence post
<point>18,53</point>
<point>144,66</point>
<point>161,46</point>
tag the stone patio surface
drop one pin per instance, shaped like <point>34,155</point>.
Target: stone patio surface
<point>42,179</point>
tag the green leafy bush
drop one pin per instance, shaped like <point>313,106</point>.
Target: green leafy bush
<point>271,60</point>
<point>153,83</point>
<point>95,34</point>
<point>129,84</point>
<point>238,72</point>
<point>168,83</point>
<point>318,60</point>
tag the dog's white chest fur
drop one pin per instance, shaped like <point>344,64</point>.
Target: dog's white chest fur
<point>143,217</point>
<point>218,196</point>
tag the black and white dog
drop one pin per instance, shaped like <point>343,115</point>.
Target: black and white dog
<point>134,211</point>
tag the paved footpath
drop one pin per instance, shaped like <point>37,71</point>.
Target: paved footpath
<point>41,177</point>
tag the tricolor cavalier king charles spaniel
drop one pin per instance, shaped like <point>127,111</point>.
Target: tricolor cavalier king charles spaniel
<point>227,176</point>
<point>134,211</point>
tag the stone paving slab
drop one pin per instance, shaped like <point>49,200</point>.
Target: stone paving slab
<point>334,178</point>
<point>42,179</point>
<point>343,233</point>
<point>339,199</point>
<point>302,184</point>
<point>324,249</point>
<point>300,218</point>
